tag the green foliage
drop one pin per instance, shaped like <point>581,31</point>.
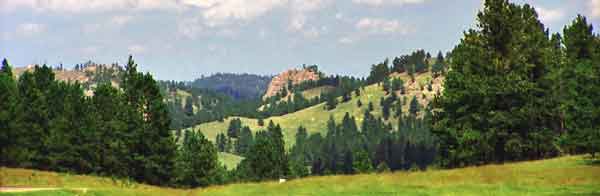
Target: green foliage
<point>580,101</point>
<point>266,158</point>
<point>245,141</point>
<point>438,68</point>
<point>117,133</point>
<point>331,102</point>
<point>362,162</point>
<point>261,122</point>
<point>496,104</point>
<point>197,163</point>
<point>11,152</point>
<point>415,107</point>
<point>378,72</point>
<point>235,126</point>
<point>383,168</point>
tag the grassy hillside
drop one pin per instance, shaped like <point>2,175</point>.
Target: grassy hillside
<point>570,175</point>
<point>230,160</point>
<point>315,92</point>
<point>315,118</point>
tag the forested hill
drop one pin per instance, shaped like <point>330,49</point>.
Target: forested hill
<point>238,86</point>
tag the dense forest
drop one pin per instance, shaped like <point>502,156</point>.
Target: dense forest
<point>237,86</point>
<point>515,92</point>
<point>512,92</point>
<point>50,125</point>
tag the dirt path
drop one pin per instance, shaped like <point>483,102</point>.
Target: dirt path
<point>32,189</point>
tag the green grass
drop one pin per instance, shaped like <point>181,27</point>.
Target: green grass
<point>230,160</point>
<point>315,92</point>
<point>571,175</point>
<point>315,118</point>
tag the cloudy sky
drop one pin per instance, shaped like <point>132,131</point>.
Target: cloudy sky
<point>183,39</point>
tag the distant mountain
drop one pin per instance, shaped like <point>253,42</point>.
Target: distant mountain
<point>238,86</point>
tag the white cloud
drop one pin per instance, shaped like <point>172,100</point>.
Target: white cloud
<point>30,29</point>
<point>189,28</point>
<point>121,20</point>
<point>347,40</point>
<point>550,15</point>
<point>300,11</point>
<point>79,6</point>
<point>378,3</point>
<point>220,12</point>
<point>90,50</point>
<point>136,49</point>
<point>595,8</point>
<point>382,26</point>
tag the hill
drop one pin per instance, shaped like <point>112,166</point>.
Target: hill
<point>295,76</point>
<point>571,175</point>
<point>238,86</point>
<point>315,118</point>
<point>88,74</point>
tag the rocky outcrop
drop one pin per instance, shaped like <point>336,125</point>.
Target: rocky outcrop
<point>296,76</point>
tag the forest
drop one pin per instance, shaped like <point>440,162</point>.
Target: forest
<point>512,91</point>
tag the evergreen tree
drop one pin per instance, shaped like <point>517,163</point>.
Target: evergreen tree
<point>331,102</point>
<point>245,141</point>
<point>385,109</point>
<point>10,151</point>
<point>438,67</point>
<point>153,147</point>
<point>582,81</point>
<point>235,125</point>
<point>414,106</point>
<point>221,142</point>
<point>197,162</point>
<point>489,111</point>
<point>189,106</point>
<point>362,162</point>
<point>261,122</point>
<point>267,158</point>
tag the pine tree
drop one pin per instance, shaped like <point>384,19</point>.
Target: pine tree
<point>331,101</point>
<point>234,128</point>
<point>189,106</point>
<point>261,122</point>
<point>362,162</point>
<point>582,82</point>
<point>153,147</point>
<point>267,158</point>
<point>197,162</point>
<point>10,151</point>
<point>245,141</point>
<point>490,106</point>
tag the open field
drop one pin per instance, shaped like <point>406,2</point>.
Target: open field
<point>315,118</point>
<point>229,160</point>
<point>571,175</point>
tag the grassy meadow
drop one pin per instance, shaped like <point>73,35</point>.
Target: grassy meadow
<point>229,160</point>
<point>315,118</point>
<point>570,175</point>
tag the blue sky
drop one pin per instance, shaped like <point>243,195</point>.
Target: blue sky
<point>183,39</point>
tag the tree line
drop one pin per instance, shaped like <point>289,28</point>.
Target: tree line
<point>119,132</point>
<point>516,92</point>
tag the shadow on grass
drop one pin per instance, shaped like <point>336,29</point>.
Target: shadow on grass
<point>593,161</point>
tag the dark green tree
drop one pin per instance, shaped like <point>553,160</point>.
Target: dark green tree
<point>197,163</point>
<point>235,125</point>
<point>490,109</point>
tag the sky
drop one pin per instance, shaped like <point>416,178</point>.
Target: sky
<point>184,39</point>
